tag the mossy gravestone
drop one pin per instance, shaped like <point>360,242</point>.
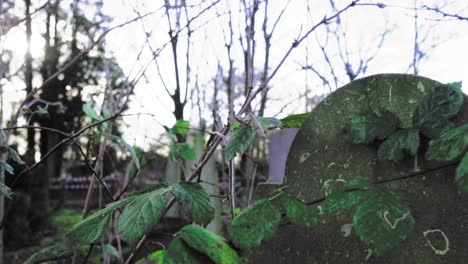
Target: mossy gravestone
<point>321,159</point>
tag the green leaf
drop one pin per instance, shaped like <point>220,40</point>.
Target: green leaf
<point>239,142</point>
<point>48,253</point>
<point>294,121</point>
<point>15,156</point>
<point>5,191</point>
<point>298,212</point>
<point>157,257</point>
<point>7,167</point>
<point>395,146</point>
<point>365,126</point>
<point>124,145</point>
<point>42,111</point>
<point>141,160</point>
<point>461,176</point>
<point>436,108</point>
<point>111,250</point>
<point>141,214</point>
<point>92,228</point>
<point>256,223</point>
<point>342,200</point>
<point>269,121</point>
<point>179,252</point>
<point>89,111</point>
<point>383,221</point>
<point>182,150</point>
<point>180,127</point>
<point>450,145</point>
<point>210,244</point>
<point>195,202</point>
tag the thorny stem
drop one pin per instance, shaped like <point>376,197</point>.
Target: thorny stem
<point>210,149</point>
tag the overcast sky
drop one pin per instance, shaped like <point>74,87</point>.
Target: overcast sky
<point>445,45</point>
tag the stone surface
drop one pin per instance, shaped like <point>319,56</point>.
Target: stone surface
<point>319,157</point>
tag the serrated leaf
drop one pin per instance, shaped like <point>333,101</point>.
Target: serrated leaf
<point>182,150</point>
<point>365,126</point>
<point>298,212</point>
<point>450,145</point>
<point>269,121</point>
<point>437,107</point>
<point>90,112</point>
<point>180,127</point>
<point>158,257</point>
<point>47,253</point>
<point>208,243</point>
<point>141,160</point>
<point>15,156</point>
<point>294,121</point>
<point>124,145</point>
<point>461,176</point>
<point>92,228</point>
<point>5,191</point>
<point>195,202</point>
<point>239,142</point>
<point>179,252</point>
<point>141,214</point>
<point>383,222</point>
<point>7,167</point>
<point>399,143</point>
<point>256,223</point>
<point>342,200</point>
<point>111,250</point>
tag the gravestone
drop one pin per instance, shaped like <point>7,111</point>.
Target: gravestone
<point>320,157</point>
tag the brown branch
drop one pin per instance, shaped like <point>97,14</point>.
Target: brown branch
<point>60,144</point>
<point>210,148</point>
<point>27,17</point>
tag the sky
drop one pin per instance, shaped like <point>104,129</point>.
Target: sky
<point>445,42</point>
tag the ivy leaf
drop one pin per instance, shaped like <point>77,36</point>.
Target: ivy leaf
<point>92,228</point>
<point>239,142</point>
<point>90,112</point>
<point>182,150</point>
<point>208,243</point>
<point>435,108</point>
<point>298,212</point>
<point>124,145</point>
<point>383,221</point>
<point>15,156</point>
<point>195,202</point>
<point>141,214</point>
<point>461,176</point>
<point>7,167</point>
<point>256,223</point>
<point>5,191</point>
<point>395,146</point>
<point>365,126</point>
<point>450,145</point>
<point>294,121</point>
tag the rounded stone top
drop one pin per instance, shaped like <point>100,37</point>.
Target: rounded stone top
<point>320,159</point>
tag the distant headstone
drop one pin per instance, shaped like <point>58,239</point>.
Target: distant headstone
<point>279,146</point>
<point>320,157</point>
